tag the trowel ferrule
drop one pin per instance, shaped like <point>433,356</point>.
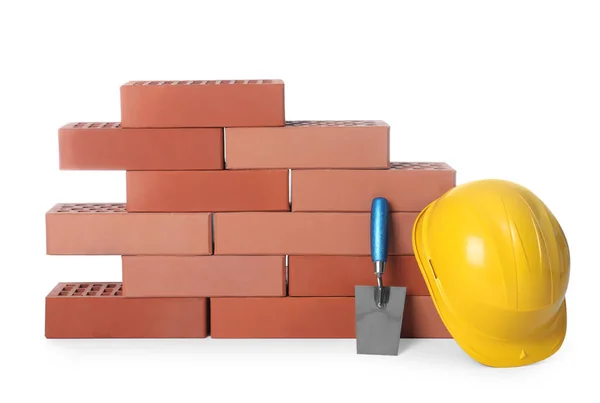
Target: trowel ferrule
<point>379,267</point>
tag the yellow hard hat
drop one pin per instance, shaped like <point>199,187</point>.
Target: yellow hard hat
<point>497,265</point>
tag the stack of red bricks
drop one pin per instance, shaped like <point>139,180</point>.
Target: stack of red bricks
<point>237,223</point>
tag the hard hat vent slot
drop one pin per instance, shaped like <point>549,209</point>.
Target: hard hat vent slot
<point>432,269</point>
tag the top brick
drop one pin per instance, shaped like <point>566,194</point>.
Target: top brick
<point>203,103</point>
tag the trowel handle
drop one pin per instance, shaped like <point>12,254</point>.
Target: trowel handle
<point>379,229</point>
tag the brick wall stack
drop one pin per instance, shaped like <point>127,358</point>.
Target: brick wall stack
<point>237,223</point>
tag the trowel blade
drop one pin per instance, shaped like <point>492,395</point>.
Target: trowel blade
<point>378,329</point>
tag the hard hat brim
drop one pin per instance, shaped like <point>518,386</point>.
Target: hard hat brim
<point>486,349</point>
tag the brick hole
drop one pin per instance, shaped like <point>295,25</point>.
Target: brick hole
<point>63,293</point>
<point>92,208</point>
<point>412,166</point>
<point>334,123</point>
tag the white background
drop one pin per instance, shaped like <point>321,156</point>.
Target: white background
<point>503,89</point>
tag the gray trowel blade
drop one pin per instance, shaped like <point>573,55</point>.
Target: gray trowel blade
<point>378,329</point>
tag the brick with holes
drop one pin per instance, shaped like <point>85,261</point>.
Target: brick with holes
<point>248,190</point>
<point>107,229</point>
<point>204,276</point>
<point>98,310</point>
<point>295,233</point>
<point>408,186</point>
<point>336,276</point>
<point>310,144</point>
<point>207,103</point>
<point>107,146</point>
<point>312,317</point>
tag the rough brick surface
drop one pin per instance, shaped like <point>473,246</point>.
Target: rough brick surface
<point>336,276</point>
<point>204,276</point>
<point>209,191</point>
<point>107,146</point>
<point>310,144</point>
<point>107,229</point>
<point>282,317</point>
<point>407,187</point>
<point>207,103</point>
<point>98,310</point>
<point>318,317</point>
<point>306,233</point>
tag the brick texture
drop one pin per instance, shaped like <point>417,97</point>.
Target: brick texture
<point>209,191</point>
<point>318,317</point>
<point>310,144</point>
<point>208,103</point>
<point>204,276</point>
<point>107,229</point>
<point>407,187</point>
<point>98,310</point>
<point>306,233</point>
<point>336,276</point>
<point>107,146</point>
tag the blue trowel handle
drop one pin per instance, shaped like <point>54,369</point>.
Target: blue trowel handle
<point>379,229</point>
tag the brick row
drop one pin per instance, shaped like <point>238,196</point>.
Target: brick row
<point>208,191</point>
<point>272,233</point>
<point>107,146</point>
<point>408,186</point>
<point>204,276</point>
<point>336,276</point>
<point>98,310</point>
<point>309,144</point>
<point>216,103</point>
<point>107,229</point>
<point>318,317</point>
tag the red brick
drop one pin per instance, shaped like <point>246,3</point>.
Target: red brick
<point>336,276</point>
<point>407,187</point>
<point>294,233</point>
<point>107,146</point>
<point>204,276</point>
<point>164,191</point>
<point>98,310</point>
<point>310,144</point>
<point>312,317</point>
<point>107,229</point>
<point>216,103</point>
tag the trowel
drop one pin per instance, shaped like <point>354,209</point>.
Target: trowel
<point>379,309</point>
